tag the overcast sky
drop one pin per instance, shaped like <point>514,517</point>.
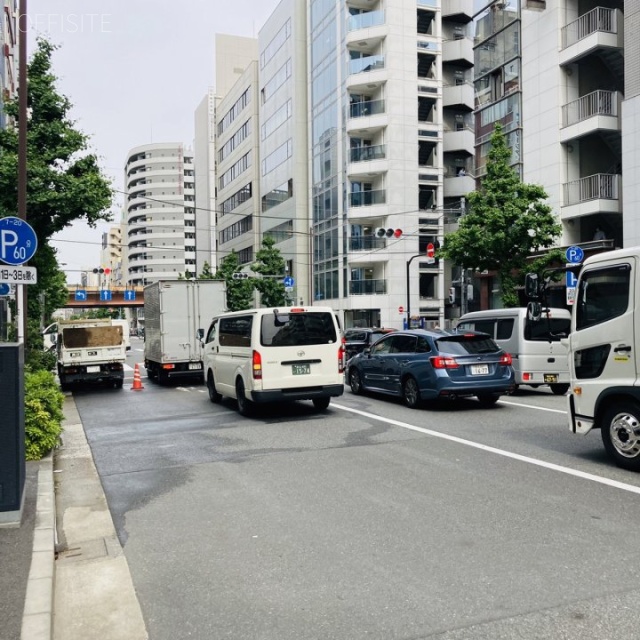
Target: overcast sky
<point>135,71</point>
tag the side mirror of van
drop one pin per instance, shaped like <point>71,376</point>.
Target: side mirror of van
<point>534,311</point>
<point>200,334</point>
<point>532,286</point>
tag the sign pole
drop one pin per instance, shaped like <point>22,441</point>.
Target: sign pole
<point>21,290</point>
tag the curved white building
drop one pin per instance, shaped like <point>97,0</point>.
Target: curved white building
<point>159,213</point>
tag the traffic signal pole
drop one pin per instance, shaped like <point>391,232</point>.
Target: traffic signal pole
<point>409,261</point>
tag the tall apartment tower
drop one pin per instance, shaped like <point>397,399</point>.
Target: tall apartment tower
<point>9,34</point>
<point>390,104</point>
<point>283,163</point>
<point>160,213</point>
<point>573,84</point>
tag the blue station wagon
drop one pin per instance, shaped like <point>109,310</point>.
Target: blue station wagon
<point>421,365</point>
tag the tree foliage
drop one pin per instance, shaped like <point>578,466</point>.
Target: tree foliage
<point>239,292</point>
<point>64,182</point>
<point>506,224</point>
<point>271,266</point>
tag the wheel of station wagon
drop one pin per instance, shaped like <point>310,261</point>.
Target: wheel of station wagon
<point>559,389</point>
<point>245,406</point>
<point>321,403</point>
<point>621,434</point>
<point>411,393</point>
<point>214,396</point>
<point>355,382</point>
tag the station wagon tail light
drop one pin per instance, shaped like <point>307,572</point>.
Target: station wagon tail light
<point>257,366</point>
<point>506,359</point>
<point>341,356</point>
<point>442,362</point>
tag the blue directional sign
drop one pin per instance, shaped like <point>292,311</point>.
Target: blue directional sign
<point>129,294</point>
<point>18,241</point>
<point>105,295</point>
<point>572,280</point>
<point>5,289</point>
<point>81,295</point>
<point>575,255</point>
<point>288,281</point>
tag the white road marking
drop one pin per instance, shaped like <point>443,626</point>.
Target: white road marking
<point>501,452</point>
<point>532,406</point>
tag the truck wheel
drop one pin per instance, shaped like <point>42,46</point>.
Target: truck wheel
<point>214,396</point>
<point>621,434</point>
<point>559,389</point>
<point>245,406</point>
<point>321,403</point>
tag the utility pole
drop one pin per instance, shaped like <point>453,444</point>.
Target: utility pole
<point>21,290</point>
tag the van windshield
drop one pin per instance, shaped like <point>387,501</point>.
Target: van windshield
<point>296,329</point>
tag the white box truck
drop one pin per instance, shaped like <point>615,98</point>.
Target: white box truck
<point>604,353</point>
<point>176,315</point>
<point>90,351</point>
<point>50,335</point>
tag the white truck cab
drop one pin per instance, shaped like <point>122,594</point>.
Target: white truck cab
<point>604,358</point>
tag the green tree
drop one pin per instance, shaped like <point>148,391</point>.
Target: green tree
<point>64,182</point>
<point>239,292</point>
<point>206,273</point>
<point>506,224</point>
<point>271,266</point>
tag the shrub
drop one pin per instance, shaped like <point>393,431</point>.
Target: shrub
<point>43,413</point>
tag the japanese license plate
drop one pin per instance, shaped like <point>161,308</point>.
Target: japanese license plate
<point>194,365</point>
<point>479,369</point>
<point>300,369</point>
<point>550,377</point>
<point>93,368</point>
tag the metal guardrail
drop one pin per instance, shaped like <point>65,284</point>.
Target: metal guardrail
<point>597,103</point>
<point>598,19</point>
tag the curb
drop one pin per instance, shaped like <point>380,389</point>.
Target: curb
<point>38,609</point>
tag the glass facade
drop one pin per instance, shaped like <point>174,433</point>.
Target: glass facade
<point>325,141</point>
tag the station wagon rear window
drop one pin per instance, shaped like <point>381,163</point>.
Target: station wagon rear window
<point>463,345</point>
<point>297,329</point>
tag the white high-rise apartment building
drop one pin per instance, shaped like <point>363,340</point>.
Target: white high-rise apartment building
<point>9,35</point>
<point>160,213</point>
<point>391,146</point>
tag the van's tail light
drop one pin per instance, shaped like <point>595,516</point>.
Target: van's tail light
<point>506,359</point>
<point>341,356</point>
<point>257,366</point>
<point>442,362</point>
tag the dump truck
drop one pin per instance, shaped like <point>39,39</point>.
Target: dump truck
<point>90,351</point>
<point>176,314</point>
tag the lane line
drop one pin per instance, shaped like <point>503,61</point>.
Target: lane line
<point>532,406</point>
<point>501,452</point>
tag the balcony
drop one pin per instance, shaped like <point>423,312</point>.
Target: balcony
<point>459,96</point>
<point>372,156</point>
<point>366,74</point>
<point>458,10</point>
<point>367,198</point>
<point>458,186</point>
<point>366,243</point>
<point>462,140</point>
<point>368,116</point>
<point>597,111</point>
<point>367,287</point>
<point>458,51</point>
<point>600,28</point>
<point>366,31</point>
<point>599,193</point>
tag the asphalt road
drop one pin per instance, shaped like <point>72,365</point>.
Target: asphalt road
<point>369,520</point>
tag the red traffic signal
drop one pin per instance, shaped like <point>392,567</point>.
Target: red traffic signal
<point>381,232</point>
<point>107,271</point>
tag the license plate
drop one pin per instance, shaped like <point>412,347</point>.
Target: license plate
<point>93,368</point>
<point>551,377</point>
<point>479,369</point>
<point>300,369</point>
<point>194,365</point>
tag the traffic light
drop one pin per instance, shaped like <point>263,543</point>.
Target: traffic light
<point>381,232</point>
<point>98,270</point>
<point>239,275</point>
<point>452,294</point>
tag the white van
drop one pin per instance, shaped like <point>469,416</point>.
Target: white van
<point>538,355</point>
<point>275,355</point>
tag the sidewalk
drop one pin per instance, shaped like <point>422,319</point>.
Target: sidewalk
<point>87,591</point>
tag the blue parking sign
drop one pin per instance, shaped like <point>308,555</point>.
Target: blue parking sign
<point>575,255</point>
<point>18,241</point>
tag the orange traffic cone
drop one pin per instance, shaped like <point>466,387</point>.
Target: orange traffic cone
<point>137,384</point>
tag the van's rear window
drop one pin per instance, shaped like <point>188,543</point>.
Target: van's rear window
<point>297,329</point>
